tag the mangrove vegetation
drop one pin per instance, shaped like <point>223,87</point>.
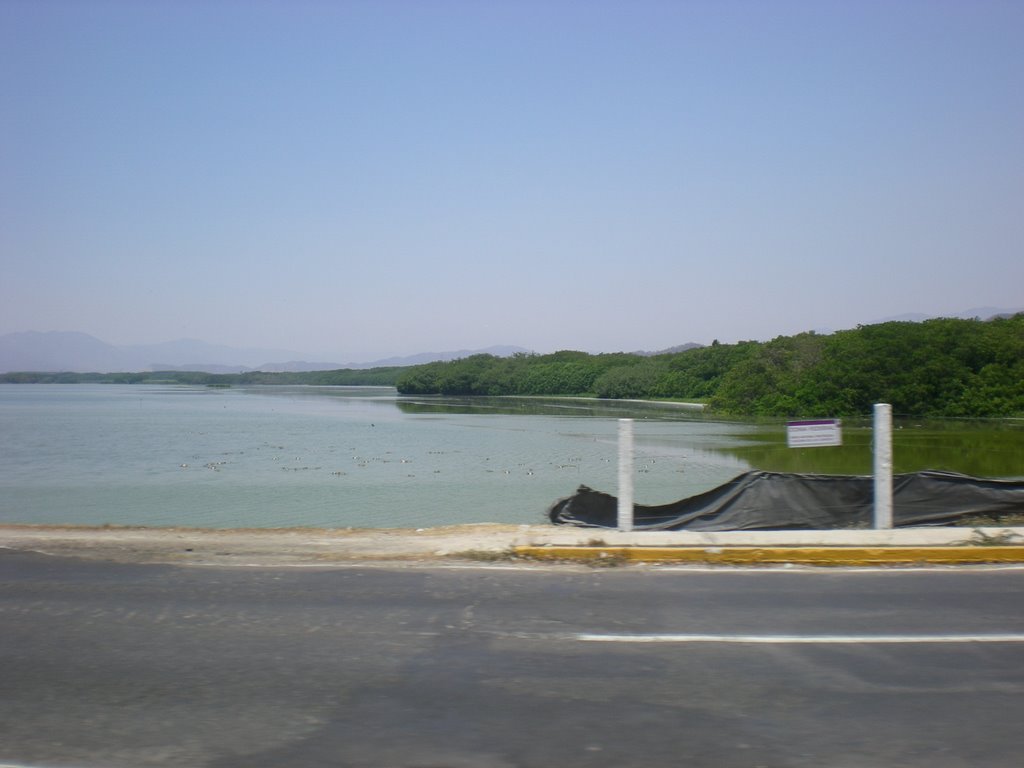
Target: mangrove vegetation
<point>942,367</point>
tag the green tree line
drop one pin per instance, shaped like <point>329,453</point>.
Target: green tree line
<point>694,374</point>
<point>942,367</point>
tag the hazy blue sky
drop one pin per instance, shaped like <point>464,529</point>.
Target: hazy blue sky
<point>354,180</point>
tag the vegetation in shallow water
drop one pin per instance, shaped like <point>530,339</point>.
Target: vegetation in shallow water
<point>979,448</point>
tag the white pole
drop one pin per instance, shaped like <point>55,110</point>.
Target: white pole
<point>625,509</point>
<point>883,465</point>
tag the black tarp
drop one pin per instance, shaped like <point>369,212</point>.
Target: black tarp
<point>774,500</point>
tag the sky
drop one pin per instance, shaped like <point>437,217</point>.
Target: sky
<point>357,180</point>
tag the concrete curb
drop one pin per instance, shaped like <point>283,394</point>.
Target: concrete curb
<point>826,556</point>
<point>938,536</point>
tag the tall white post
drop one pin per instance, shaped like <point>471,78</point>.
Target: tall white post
<point>625,508</point>
<point>883,465</point>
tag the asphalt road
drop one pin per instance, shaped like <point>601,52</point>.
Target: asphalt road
<point>428,667</point>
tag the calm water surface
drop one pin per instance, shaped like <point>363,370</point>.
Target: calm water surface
<point>366,457</point>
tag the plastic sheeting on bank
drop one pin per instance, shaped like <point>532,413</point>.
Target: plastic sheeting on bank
<point>773,500</point>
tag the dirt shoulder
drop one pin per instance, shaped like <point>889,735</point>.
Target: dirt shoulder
<point>258,546</point>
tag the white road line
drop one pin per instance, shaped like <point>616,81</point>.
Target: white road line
<point>800,639</point>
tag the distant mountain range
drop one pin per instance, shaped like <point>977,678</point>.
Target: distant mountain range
<point>81,353</point>
<point>69,351</point>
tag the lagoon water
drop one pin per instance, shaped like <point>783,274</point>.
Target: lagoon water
<point>324,456</point>
<point>366,457</point>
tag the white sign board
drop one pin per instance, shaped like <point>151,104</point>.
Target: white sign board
<point>814,434</point>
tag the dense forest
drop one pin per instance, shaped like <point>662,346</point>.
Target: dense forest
<point>943,367</point>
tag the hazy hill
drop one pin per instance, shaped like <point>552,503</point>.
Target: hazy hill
<point>433,357</point>
<point>70,351</point>
<point>670,350</point>
<point>80,352</point>
<point>58,351</point>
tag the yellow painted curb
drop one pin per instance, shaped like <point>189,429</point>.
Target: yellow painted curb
<point>951,555</point>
